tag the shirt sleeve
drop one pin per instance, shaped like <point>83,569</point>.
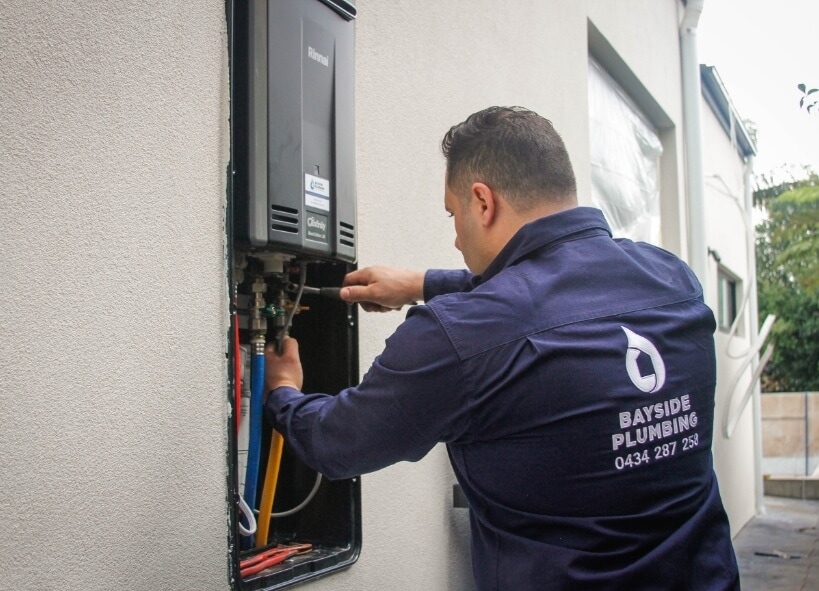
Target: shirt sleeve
<point>442,281</point>
<point>411,398</point>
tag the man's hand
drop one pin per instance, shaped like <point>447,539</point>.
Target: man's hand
<point>285,369</point>
<point>381,289</point>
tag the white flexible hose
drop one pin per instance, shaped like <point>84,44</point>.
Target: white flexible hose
<point>251,520</point>
<point>301,505</point>
<point>304,503</point>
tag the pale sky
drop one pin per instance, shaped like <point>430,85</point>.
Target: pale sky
<point>762,49</point>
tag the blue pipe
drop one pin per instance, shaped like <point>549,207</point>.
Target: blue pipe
<point>254,448</point>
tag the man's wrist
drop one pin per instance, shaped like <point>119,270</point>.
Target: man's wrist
<point>282,384</point>
<point>278,385</point>
<point>418,296</point>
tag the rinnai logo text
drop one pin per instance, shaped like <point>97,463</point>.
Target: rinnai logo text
<point>315,55</point>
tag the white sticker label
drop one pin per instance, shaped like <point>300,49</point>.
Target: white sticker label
<point>317,185</point>
<point>316,202</point>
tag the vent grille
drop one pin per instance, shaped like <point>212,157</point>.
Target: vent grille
<point>284,219</point>
<point>346,234</point>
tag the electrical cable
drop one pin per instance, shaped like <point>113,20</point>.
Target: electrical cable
<point>294,308</point>
<point>305,502</point>
<point>301,505</point>
<point>732,332</point>
<point>731,414</point>
<point>746,222</point>
<point>730,419</point>
<point>251,519</point>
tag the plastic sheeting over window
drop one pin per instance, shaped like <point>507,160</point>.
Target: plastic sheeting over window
<point>625,153</point>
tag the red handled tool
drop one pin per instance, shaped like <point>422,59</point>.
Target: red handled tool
<point>273,556</point>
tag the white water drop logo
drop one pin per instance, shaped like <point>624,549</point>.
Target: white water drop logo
<point>636,345</point>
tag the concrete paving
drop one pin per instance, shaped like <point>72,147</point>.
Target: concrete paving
<point>779,550</point>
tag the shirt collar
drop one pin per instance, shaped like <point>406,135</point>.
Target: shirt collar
<point>542,232</point>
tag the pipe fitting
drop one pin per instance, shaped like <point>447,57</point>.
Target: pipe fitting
<point>257,320</point>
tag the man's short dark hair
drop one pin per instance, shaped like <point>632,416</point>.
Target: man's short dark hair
<point>512,150</point>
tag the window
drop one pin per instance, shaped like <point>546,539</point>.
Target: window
<point>726,300</point>
<point>625,156</point>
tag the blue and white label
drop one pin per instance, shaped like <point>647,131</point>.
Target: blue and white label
<point>316,202</point>
<point>316,185</point>
<point>316,192</point>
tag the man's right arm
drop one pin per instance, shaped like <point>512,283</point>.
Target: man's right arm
<point>381,289</point>
<point>414,395</point>
<point>442,281</point>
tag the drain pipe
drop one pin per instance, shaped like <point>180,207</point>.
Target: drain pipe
<point>753,332</point>
<point>692,132</point>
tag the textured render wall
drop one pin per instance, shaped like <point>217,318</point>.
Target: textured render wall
<point>113,151</point>
<point>725,233</point>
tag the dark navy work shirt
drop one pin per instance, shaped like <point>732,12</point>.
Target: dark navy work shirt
<point>573,383</point>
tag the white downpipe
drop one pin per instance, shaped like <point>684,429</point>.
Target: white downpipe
<point>753,332</point>
<point>692,133</point>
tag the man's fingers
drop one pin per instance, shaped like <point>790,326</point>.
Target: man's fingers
<point>380,289</point>
<point>357,277</point>
<point>283,369</point>
<point>364,296</point>
<point>290,347</point>
<point>370,307</point>
<point>354,293</point>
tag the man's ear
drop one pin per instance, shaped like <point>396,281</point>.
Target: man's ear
<point>484,200</point>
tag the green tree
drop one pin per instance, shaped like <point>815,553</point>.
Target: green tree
<point>787,253</point>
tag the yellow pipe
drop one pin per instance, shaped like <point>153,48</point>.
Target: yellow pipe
<point>271,477</point>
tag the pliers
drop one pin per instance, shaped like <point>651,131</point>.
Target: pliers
<point>271,557</point>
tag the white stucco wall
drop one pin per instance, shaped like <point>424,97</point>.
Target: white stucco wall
<point>113,152</point>
<point>726,234</point>
<point>112,191</point>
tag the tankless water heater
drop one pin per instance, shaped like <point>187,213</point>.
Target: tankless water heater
<point>296,185</point>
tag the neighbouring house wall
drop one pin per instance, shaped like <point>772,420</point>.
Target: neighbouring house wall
<point>114,158</point>
<point>726,223</point>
